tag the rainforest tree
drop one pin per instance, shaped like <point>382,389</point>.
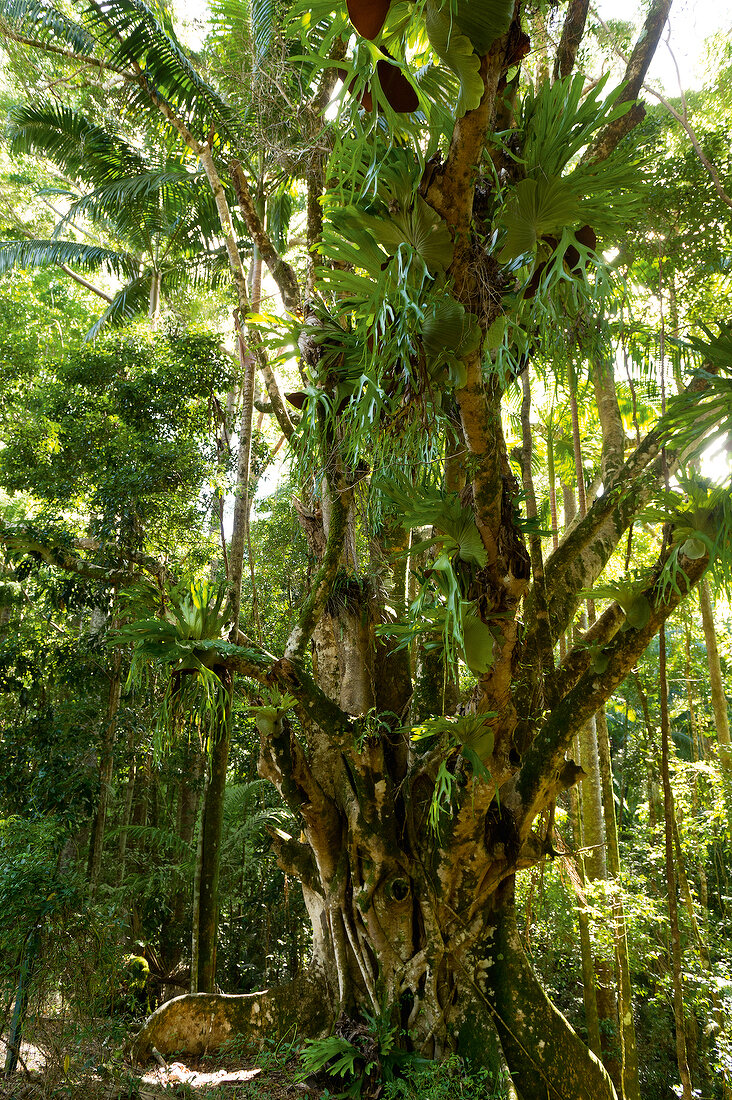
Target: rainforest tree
<point>419,720</point>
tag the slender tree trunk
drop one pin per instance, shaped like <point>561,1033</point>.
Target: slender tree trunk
<point>593,824</point>
<point>589,993</point>
<point>154,302</point>
<point>629,1050</point>
<point>719,697</point>
<point>206,920</point>
<point>208,851</point>
<point>540,44</point>
<point>240,537</point>
<point>697,751</point>
<point>189,797</point>
<point>572,31</point>
<point>28,962</point>
<point>673,915</point>
<point>196,917</point>
<point>126,809</point>
<point>106,762</point>
<point>591,788</point>
<point>593,829</point>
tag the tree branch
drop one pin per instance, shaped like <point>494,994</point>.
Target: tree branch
<point>10,212</point>
<point>635,73</point>
<point>293,680</point>
<point>282,273</point>
<point>581,656</point>
<point>68,55</point>
<point>85,283</point>
<point>539,778</point>
<point>64,558</point>
<point>682,119</point>
<point>572,31</point>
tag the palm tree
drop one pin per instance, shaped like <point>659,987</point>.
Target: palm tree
<point>152,212</point>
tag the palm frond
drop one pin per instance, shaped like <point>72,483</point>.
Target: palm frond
<point>82,150</point>
<point>85,257</point>
<point>263,17</point>
<point>279,212</point>
<point>697,419</point>
<point>148,203</point>
<point>38,20</point>
<point>128,302</point>
<point>136,36</point>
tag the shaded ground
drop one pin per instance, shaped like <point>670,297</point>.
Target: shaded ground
<point>92,1071</point>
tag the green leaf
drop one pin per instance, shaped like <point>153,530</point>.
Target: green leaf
<point>483,21</point>
<point>474,733</point>
<point>418,225</point>
<point>447,325</point>
<point>693,549</point>
<point>628,593</point>
<point>456,51</point>
<point>477,641</point>
<point>638,612</point>
<point>537,207</point>
<point>477,766</point>
<point>494,335</point>
<point>558,120</point>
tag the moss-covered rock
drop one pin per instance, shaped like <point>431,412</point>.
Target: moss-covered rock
<point>200,1022</point>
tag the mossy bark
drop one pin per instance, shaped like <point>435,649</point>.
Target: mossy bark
<point>546,1056</point>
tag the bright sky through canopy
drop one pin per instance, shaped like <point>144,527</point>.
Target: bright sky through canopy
<point>692,22</point>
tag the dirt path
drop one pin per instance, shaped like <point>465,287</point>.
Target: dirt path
<point>45,1071</point>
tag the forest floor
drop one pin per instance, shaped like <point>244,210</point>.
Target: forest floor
<point>47,1072</point>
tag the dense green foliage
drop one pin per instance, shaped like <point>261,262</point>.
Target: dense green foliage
<point>120,470</point>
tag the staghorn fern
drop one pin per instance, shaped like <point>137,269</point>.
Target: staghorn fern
<point>183,641</point>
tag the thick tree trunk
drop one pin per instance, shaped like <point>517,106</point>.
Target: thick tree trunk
<point>545,1055</point>
<point>398,923</point>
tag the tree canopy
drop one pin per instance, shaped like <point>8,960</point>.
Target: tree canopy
<point>480,300</point>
